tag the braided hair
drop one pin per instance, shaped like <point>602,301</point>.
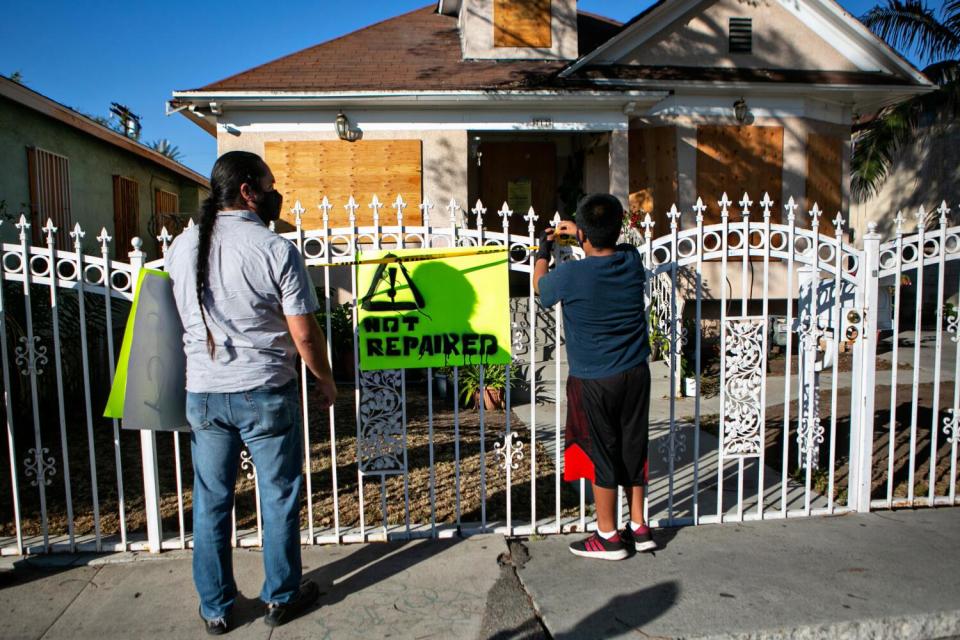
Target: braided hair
<point>231,171</point>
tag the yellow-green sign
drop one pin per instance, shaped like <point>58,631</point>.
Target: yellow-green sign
<point>433,308</point>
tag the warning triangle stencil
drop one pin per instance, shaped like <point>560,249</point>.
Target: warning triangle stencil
<point>384,283</point>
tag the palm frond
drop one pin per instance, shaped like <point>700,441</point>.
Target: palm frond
<point>951,16</point>
<point>943,73</point>
<point>909,25</point>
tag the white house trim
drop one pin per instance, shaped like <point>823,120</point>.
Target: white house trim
<point>635,34</point>
<point>844,32</point>
<point>544,120</point>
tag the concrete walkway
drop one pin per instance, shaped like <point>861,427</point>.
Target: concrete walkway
<point>880,575</point>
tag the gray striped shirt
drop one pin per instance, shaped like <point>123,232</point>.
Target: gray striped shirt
<point>256,278</point>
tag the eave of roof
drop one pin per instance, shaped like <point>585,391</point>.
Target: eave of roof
<point>42,104</point>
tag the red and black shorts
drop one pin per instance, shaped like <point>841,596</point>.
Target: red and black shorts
<point>608,428</point>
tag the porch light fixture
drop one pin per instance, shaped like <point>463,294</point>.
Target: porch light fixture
<point>344,130</point>
<point>740,110</point>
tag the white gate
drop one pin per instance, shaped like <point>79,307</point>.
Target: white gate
<point>792,412</point>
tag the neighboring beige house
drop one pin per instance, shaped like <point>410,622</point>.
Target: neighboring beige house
<point>533,102</point>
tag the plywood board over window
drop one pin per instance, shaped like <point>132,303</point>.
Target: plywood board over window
<point>824,173</point>
<point>737,160</point>
<point>653,173</point>
<point>309,170</point>
<point>522,23</point>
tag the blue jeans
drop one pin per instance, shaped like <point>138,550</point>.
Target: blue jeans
<point>268,421</point>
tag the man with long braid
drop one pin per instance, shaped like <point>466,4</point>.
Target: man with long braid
<point>247,306</point>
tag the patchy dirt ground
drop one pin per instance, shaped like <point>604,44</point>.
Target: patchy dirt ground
<point>445,467</point>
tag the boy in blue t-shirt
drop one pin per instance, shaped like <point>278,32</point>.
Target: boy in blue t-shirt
<point>608,389</point>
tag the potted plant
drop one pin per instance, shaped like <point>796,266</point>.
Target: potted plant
<point>441,381</point>
<point>494,386</point>
<point>341,337</point>
<point>688,381</point>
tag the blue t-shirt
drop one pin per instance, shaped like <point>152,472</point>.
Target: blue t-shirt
<point>605,323</point>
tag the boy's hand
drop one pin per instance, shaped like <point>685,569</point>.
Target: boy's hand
<point>545,248</point>
<point>566,228</point>
<point>324,392</point>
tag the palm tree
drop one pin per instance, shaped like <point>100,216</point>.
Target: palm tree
<point>934,35</point>
<point>164,147</point>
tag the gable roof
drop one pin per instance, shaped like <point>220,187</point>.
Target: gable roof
<point>40,103</point>
<point>828,13</point>
<point>419,50</point>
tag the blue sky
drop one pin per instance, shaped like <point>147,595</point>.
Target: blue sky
<point>91,53</point>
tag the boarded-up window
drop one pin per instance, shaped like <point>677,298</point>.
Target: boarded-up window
<point>737,160</point>
<point>309,170</point>
<point>49,175</point>
<point>126,215</point>
<point>166,205</point>
<point>522,23</point>
<point>653,173</point>
<point>824,173</point>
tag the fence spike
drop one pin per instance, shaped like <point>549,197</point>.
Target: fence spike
<point>556,219</point>
<point>767,204</point>
<point>325,207</point>
<point>674,215</point>
<point>77,234</point>
<point>531,217</point>
<point>838,223</point>
<point>479,210</point>
<point>943,210</point>
<point>352,207</point>
<point>815,215</point>
<point>164,238</point>
<point>23,225</point>
<point>298,212</point>
<point>49,231</point>
<point>376,205</point>
<point>505,214</point>
<point>647,225</point>
<point>899,220</point>
<point>425,208</point>
<point>104,238</point>
<point>399,205</point>
<point>791,208</point>
<point>745,204</point>
<point>699,207</point>
<point>453,207</point>
<point>724,203</point>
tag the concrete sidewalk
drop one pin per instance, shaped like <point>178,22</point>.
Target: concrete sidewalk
<point>881,575</point>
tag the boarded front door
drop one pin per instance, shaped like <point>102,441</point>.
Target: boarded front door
<point>523,174</point>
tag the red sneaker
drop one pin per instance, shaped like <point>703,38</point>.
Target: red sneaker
<point>596,546</point>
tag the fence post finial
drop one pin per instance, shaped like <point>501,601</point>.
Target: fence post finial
<point>49,231</point>
<point>943,210</point>
<point>745,204</point>
<point>77,235</point>
<point>352,207</point>
<point>478,211</point>
<point>724,203</point>
<point>425,208</point>
<point>325,207</point>
<point>298,212</point>
<point>399,205</point>
<point>376,206</point>
<point>505,214</point>
<point>791,208</point>
<point>23,225</point>
<point>899,220</point>
<point>699,207</point>
<point>838,223</point>
<point>767,204</point>
<point>453,207</point>
<point>815,215</point>
<point>674,215</point>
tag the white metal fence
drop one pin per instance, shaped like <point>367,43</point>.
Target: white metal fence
<point>797,403</point>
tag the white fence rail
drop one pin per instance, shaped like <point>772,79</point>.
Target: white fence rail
<point>781,421</point>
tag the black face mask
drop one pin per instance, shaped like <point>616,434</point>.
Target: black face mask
<point>269,206</point>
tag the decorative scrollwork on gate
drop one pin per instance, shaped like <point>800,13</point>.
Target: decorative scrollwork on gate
<point>380,445</point>
<point>742,386</point>
<point>673,445</point>
<point>31,356</point>
<point>509,452</point>
<point>246,464</point>
<point>40,466</point>
<point>951,426</point>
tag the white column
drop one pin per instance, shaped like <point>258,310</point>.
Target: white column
<point>619,162</point>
